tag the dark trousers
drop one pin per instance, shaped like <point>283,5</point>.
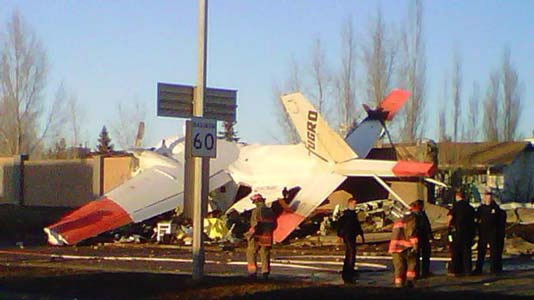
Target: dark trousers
<point>460,255</point>
<point>350,257</point>
<point>422,262</point>
<point>496,247</point>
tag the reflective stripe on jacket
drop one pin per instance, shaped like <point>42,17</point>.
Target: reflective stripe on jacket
<point>403,235</point>
<point>262,225</point>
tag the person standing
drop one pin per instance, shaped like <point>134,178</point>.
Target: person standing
<point>424,234</point>
<point>491,221</point>
<point>349,228</point>
<point>403,248</point>
<point>260,237</point>
<point>462,228</point>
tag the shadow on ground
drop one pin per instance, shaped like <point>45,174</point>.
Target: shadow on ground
<point>38,283</point>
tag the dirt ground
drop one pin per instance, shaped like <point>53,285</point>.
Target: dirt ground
<point>162,272</point>
<point>40,284</point>
<point>305,269</point>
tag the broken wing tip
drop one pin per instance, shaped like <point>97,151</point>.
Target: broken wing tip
<point>54,238</point>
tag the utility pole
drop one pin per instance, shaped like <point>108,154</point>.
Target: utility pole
<point>204,107</point>
<point>198,111</point>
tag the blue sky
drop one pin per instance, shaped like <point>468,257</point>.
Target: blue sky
<point>111,51</point>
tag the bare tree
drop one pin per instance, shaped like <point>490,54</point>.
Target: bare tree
<point>379,60</point>
<point>346,86</point>
<point>474,113</point>
<point>320,76</point>
<point>511,100</point>
<point>23,71</point>
<point>491,109</point>
<point>292,84</point>
<point>442,112</point>
<point>76,118</point>
<point>73,117</point>
<point>412,74</point>
<point>125,128</point>
<point>456,88</point>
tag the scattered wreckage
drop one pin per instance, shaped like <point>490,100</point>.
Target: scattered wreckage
<point>315,168</point>
<point>317,165</point>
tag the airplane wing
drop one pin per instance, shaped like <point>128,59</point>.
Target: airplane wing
<point>393,102</point>
<point>363,137</point>
<point>156,190</point>
<point>150,193</point>
<point>313,192</point>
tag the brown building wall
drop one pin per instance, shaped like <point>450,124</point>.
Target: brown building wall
<point>116,171</point>
<point>58,183</point>
<point>6,178</point>
<point>61,183</point>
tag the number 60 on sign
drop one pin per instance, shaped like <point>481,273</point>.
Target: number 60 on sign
<point>203,140</point>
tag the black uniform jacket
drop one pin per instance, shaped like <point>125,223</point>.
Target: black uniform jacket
<point>491,219</point>
<point>348,225</point>
<point>463,219</point>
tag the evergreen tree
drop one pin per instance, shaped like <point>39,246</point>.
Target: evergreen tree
<point>228,132</point>
<point>104,142</point>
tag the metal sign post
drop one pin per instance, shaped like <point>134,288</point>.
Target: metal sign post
<point>185,101</point>
<point>198,111</point>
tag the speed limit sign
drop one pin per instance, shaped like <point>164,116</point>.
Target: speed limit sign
<point>203,139</point>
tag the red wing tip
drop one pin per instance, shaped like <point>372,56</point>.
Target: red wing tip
<point>393,102</point>
<point>286,223</point>
<point>87,221</point>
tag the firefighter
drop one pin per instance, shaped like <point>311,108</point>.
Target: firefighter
<point>424,234</point>
<point>491,220</point>
<point>349,228</point>
<point>403,248</point>
<point>260,237</point>
<point>462,229</point>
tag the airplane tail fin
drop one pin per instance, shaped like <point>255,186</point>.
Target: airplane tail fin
<point>362,138</point>
<point>314,132</point>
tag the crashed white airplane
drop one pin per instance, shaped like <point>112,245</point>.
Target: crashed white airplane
<point>321,162</point>
<point>317,166</point>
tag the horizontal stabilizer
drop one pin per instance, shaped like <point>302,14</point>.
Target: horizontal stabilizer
<point>385,168</point>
